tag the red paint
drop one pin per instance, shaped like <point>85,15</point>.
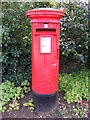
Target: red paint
<point>45,66</point>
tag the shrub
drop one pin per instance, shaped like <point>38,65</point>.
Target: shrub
<point>16,37</point>
<point>11,93</point>
<point>74,85</point>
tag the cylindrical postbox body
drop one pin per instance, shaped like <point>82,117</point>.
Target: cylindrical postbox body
<point>45,29</point>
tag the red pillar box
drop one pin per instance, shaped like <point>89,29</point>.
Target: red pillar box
<point>45,28</point>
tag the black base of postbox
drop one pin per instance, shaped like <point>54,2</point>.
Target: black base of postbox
<point>44,103</point>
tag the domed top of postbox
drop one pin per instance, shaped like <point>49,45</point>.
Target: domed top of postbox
<point>44,13</point>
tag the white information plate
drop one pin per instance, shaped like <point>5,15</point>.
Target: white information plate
<point>45,44</point>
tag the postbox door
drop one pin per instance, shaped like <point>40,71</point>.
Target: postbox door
<point>45,64</point>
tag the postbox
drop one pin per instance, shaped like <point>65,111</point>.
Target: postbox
<point>45,36</point>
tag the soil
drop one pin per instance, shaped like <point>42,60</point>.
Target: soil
<point>61,110</point>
